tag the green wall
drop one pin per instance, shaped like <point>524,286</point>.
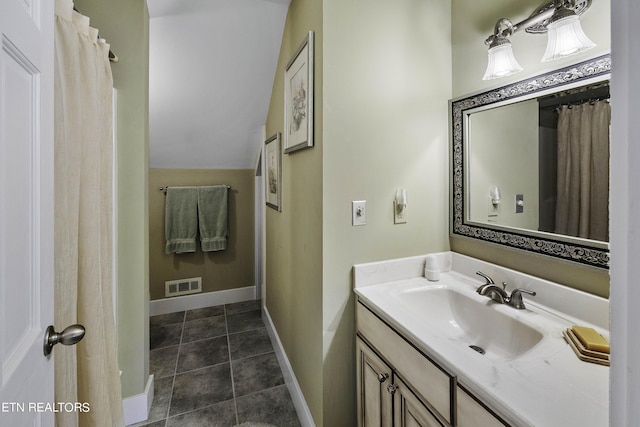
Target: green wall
<point>125,25</point>
<point>221,270</point>
<point>472,22</point>
<point>380,124</point>
<point>294,236</point>
<point>387,79</point>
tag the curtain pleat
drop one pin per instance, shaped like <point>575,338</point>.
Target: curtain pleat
<point>87,372</point>
<point>599,227</point>
<point>582,208</point>
<point>564,170</point>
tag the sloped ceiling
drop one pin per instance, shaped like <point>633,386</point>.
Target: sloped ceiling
<point>212,65</point>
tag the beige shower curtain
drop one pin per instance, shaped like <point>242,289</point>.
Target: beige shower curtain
<point>582,208</point>
<point>87,372</point>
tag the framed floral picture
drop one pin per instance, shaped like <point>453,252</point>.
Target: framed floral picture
<point>273,168</point>
<point>298,98</point>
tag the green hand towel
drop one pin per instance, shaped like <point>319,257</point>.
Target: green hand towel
<point>181,219</point>
<point>212,216</point>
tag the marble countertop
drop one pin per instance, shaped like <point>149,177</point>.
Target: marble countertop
<point>546,386</point>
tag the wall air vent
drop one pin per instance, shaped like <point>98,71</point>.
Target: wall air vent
<point>174,288</point>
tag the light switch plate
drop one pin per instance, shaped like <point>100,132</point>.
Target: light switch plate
<point>359,212</point>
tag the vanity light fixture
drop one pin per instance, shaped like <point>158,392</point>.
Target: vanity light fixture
<point>502,62</point>
<point>565,35</point>
<point>559,18</point>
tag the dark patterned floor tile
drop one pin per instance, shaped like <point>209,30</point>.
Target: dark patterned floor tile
<point>161,423</point>
<point>250,343</point>
<point>166,319</point>
<point>273,406</point>
<point>196,346</point>
<point>256,373</point>
<point>219,415</point>
<point>165,336</point>
<point>241,307</point>
<point>246,321</point>
<point>203,387</point>
<point>199,354</point>
<point>200,329</point>
<point>162,361</point>
<point>202,313</point>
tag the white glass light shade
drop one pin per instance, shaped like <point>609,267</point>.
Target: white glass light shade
<point>565,37</point>
<point>502,63</point>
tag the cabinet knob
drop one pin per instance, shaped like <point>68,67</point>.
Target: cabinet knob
<point>382,377</point>
<point>391,388</point>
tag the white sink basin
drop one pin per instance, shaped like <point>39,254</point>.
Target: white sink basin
<point>526,357</point>
<point>470,320</point>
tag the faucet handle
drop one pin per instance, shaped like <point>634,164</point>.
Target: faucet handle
<point>515,300</point>
<point>526,291</point>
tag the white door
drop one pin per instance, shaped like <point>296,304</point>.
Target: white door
<point>26,211</point>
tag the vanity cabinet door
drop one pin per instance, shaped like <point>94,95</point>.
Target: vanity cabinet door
<point>473,414</point>
<point>432,384</point>
<point>373,379</point>
<point>409,410</point>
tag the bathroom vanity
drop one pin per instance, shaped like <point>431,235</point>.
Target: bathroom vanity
<point>436,353</point>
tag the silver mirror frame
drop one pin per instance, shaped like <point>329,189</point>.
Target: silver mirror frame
<point>569,249</point>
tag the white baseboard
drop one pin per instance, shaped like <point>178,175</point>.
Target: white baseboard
<point>304,414</point>
<point>207,299</point>
<point>136,408</point>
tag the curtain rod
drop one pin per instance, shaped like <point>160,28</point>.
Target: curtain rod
<point>164,189</point>
<point>112,56</point>
<point>596,92</point>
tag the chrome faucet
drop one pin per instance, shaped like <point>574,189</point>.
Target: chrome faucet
<point>491,290</point>
<point>500,295</point>
<point>486,277</point>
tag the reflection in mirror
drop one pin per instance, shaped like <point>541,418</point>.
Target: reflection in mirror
<point>548,157</point>
<point>530,164</point>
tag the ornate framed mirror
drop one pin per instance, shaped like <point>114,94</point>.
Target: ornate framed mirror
<point>508,174</point>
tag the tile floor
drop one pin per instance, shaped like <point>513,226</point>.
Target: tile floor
<point>216,367</point>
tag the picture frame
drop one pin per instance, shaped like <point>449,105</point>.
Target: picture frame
<point>273,172</point>
<point>298,98</point>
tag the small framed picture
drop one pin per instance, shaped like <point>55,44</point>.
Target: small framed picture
<point>298,98</point>
<point>273,176</point>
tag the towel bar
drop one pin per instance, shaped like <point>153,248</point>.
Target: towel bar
<point>164,189</point>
